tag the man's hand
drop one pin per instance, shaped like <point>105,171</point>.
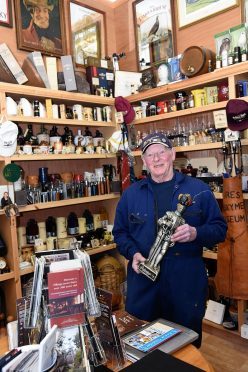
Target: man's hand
<point>184,233</point>
<point>137,258</point>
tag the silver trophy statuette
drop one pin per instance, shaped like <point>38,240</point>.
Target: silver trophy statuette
<point>167,226</point>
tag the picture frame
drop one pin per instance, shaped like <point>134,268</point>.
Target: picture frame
<point>154,29</point>
<point>48,35</point>
<point>192,11</point>
<point>6,13</point>
<point>87,33</point>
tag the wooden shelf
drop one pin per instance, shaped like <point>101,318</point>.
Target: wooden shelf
<point>47,157</point>
<point>209,254</point>
<point>186,112</point>
<point>63,203</point>
<point>68,122</point>
<point>201,80</point>
<point>102,249</point>
<point>56,95</point>
<point>90,251</point>
<point>200,147</point>
<point>7,276</point>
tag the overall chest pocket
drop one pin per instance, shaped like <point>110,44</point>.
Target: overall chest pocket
<point>137,218</point>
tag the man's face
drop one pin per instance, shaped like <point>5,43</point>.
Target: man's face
<point>159,161</point>
<point>41,16</point>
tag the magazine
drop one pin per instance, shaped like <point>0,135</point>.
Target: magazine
<point>150,337</point>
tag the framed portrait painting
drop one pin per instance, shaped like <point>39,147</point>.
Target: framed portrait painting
<point>154,25</point>
<point>6,13</point>
<point>40,26</point>
<point>87,32</point>
<point>193,11</point>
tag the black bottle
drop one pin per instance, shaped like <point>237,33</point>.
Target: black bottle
<point>65,137</point>
<point>32,231</point>
<point>51,227</point>
<point>54,132</point>
<point>72,224</point>
<point>20,136</point>
<point>89,220</point>
<point>29,136</point>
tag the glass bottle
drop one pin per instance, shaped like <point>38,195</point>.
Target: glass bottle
<point>29,136</point>
<point>78,137</point>
<point>70,147</point>
<point>20,136</point>
<point>191,138</point>
<point>54,132</point>
<point>67,133</point>
<point>243,55</point>
<point>218,62</point>
<point>43,136</point>
<point>237,55</point>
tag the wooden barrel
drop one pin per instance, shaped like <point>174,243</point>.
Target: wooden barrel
<point>195,61</point>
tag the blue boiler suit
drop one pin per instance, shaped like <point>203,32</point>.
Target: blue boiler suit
<point>179,293</point>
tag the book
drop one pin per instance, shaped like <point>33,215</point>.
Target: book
<point>150,337</point>
<point>69,75</point>
<point>126,322</point>
<point>30,70</point>
<point>107,329</point>
<point>65,296</point>
<point>12,64</point>
<point>51,67</point>
<point>37,60</point>
<point>6,75</point>
<point>158,361</point>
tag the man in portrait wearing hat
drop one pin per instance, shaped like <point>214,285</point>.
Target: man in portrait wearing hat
<point>39,32</point>
<point>179,292</point>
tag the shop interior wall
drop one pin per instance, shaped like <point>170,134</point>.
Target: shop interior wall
<point>8,35</point>
<point>200,34</point>
<point>120,36</point>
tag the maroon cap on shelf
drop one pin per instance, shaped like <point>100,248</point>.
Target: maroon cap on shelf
<point>122,104</point>
<point>237,114</point>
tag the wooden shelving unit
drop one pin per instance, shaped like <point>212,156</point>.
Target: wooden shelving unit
<point>11,282</point>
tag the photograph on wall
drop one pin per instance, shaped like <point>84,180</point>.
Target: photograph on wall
<point>40,26</point>
<point>154,35</point>
<point>192,11</point>
<point>87,30</point>
<point>6,13</point>
<point>238,37</point>
<point>222,43</point>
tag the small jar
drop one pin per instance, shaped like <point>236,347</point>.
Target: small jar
<point>36,108</point>
<point>218,62</point>
<point>230,59</point>
<point>237,55</point>
<point>243,55</point>
<point>172,105</point>
<point>190,101</point>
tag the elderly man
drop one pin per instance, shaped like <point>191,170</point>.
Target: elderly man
<point>179,292</point>
<point>38,33</point>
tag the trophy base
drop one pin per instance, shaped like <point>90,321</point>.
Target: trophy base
<point>148,271</point>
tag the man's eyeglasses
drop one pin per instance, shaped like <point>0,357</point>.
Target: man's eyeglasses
<point>159,154</point>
